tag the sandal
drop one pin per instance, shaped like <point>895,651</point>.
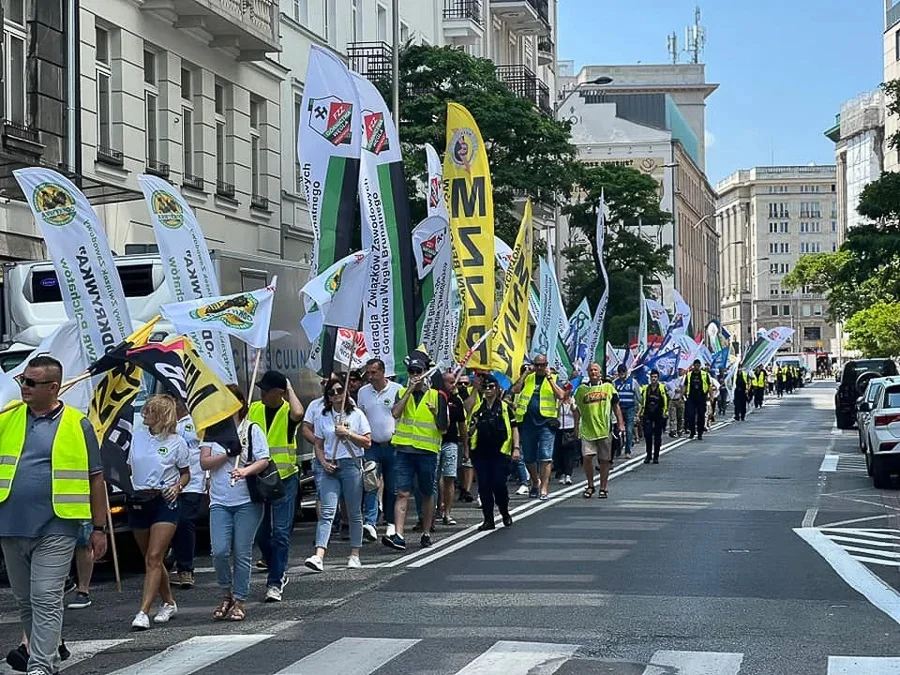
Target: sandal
<point>223,610</point>
<point>603,494</point>
<point>237,611</point>
<point>588,493</point>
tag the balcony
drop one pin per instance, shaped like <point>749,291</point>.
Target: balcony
<point>526,17</point>
<point>463,21</point>
<point>225,190</point>
<point>21,139</point>
<point>246,28</point>
<point>157,168</point>
<point>372,60</point>
<point>259,202</point>
<point>193,182</point>
<point>546,51</point>
<point>525,84</point>
<point>110,156</point>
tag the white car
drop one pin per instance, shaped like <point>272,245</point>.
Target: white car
<point>883,432</point>
<point>870,393</point>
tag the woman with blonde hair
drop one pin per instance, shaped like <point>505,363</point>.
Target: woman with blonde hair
<point>160,469</point>
<point>233,516</point>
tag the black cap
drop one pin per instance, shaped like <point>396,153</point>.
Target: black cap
<point>416,362</point>
<point>272,379</point>
<point>622,368</point>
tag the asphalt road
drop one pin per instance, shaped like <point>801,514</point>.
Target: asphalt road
<point>763,550</point>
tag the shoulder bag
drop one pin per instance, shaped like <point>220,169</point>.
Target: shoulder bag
<point>265,486</point>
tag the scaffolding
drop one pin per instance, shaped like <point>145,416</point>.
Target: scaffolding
<point>862,113</point>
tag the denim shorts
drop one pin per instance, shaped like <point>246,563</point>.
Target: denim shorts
<point>537,443</point>
<point>145,514</point>
<point>449,459</point>
<point>422,466</point>
<point>85,530</point>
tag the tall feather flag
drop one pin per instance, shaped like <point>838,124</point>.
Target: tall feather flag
<point>595,337</point>
<point>338,291</point>
<point>642,326</point>
<point>658,314</point>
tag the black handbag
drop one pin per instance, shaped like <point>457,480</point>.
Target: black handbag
<point>266,485</point>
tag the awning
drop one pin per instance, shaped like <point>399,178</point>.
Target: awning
<point>97,191</point>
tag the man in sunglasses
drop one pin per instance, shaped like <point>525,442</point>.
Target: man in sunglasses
<point>51,480</point>
<point>537,416</point>
<point>421,414</point>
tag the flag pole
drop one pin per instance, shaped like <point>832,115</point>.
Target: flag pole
<point>112,542</point>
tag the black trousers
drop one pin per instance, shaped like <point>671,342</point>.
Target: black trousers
<point>653,431</point>
<point>695,416</point>
<point>740,405</point>
<point>758,395</point>
<point>492,471</point>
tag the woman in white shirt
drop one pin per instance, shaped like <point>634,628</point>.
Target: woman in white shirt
<point>160,469</point>
<point>342,434</point>
<point>233,516</point>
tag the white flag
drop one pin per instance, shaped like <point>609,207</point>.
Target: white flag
<point>431,238</point>
<point>437,205</point>
<point>350,348</point>
<point>682,316</point>
<point>659,314</point>
<point>76,241</point>
<point>338,292</point>
<point>595,336</point>
<point>546,332</point>
<point>246,316</point>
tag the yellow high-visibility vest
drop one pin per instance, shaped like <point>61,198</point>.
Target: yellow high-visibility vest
<point>417,426</point>
<point>665,398</point>
<point>507,445</point>
<point>547,400</point>
<point>70,483</point>
<point>282,450</point>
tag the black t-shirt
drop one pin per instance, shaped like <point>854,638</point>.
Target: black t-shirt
<point>654,401</point>
<point>456,413</point>
<point>270,417</point>
<point>695,386</point>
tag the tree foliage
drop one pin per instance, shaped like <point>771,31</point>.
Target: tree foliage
<point>875,331</point>
<point>530,153</point>
<point>633,201</point>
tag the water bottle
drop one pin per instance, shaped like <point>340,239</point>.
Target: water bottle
<point>171,504</point>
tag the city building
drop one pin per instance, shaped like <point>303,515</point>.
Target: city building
<point>767,218</point>
<point>891,72</point>
<point>652,118</point>
<point>858,135</point>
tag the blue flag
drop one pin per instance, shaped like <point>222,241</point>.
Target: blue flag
<point>720,359</point>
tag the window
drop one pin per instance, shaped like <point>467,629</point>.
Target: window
<point>381,24</point>
<point>104,90</point>
<point>301,11</point>
<point>404,33</point>
<point>807,310</point>
<point>784,247</point>
<point>255,147</point>
<point>330,24</point>
<point>773,247</point>
<point>773,228</point>
<point>810,210</point>
<point>356,20</point>
<point>834,247</point>
<point>773,268</point>
<point>818,310</point>
<point>774,290</point>
<point>774,310</point>
<point>785,310</point>
<point>834,226</point>
<point>812,333</point>
<point>810,247</point>
<point>187,122</point>
<point>897,45</point>
<point>151,107</point>
<point>14,52</point>
<point>221,135</point>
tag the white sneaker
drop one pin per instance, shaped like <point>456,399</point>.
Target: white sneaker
<point>353,563</point>
<point>568,480</point>
<point>313,562</point>
<point>141,621</point>
<point>273,594</point>
<point>390,530</point>
<point>523,490</point>
<point>166,612</point>
<point>369,532</point>
<point>562,481</point>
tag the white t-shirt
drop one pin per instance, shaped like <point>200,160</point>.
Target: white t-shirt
<point>377,407</point>
<point>220,489</point>
<point>355,421</point>
<point>189,434</point>
<point>154,461</point>
<point>313,410</point>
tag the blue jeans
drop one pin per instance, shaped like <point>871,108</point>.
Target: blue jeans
<point>628,415</point>
<point>385,456</point>
<point>346,482</point>
<point>446,468</point>
<point>537,442</point>
<point>231,532</point>
<point>274,536</point>
<point>522,471</point>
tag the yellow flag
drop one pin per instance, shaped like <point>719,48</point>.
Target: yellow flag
<point>511,326</point>
<point>471,208</point>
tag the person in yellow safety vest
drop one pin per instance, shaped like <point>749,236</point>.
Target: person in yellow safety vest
<point>278,413</point>
<point>696,386</point>
<point>759,387</point>
<point>537,394</point>
<point>654,413</point>
<point>421,414</point>
<point>741,393</point>
<point>51,483</point>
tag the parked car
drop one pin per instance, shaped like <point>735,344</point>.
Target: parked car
<point>882,433</point>
<point>864,405</point>
<point>854,378</point>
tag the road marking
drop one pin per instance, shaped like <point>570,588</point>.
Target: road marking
<point>863,540</point>
<point>520,658</point>
<point>694,495</point>
<point>649,504</point>
<point>863,665</point>
<point>694,663</point>
<point>809,518</point>
<point>834,429</point>
<point>829,463</point>
<point>854,573</point>
<point>350,656</point>
<point>192,655</point>
<point>875,533</point>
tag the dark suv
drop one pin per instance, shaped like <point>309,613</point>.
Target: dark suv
<point>854,378</point>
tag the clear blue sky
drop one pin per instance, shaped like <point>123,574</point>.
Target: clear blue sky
<point>783,66</point>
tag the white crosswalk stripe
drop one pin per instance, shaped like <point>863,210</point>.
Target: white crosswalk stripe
<point>873,546</point>
<point>350,656</point>
<point>365,656</point>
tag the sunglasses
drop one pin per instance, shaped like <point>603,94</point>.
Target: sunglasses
<point>540,365</point>
<point>490,386</point>
<point>415,371</point>
<point>337,391</point>
<point>31,382</point>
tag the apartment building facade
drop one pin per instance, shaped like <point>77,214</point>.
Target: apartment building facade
<point>767,218</point>
<point>891,72</point>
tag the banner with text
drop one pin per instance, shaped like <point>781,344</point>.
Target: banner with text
<point>431,246</point>
<point>594,341</point>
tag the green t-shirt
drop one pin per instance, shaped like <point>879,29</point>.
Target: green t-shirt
<point>595,404</point>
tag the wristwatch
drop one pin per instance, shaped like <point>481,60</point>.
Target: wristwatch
<point>100,528</point>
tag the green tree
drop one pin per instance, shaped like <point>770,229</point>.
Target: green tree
<point>530,153</point>
<point>875,331</point>
<point>633,200</point>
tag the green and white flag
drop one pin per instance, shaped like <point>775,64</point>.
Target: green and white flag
<point>338,291</point>
<point>431,246</point>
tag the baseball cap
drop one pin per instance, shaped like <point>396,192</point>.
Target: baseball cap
<point>272,379</point>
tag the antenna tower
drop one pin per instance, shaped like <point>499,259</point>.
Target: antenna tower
<point>695,38</point>
<point>672,46</point>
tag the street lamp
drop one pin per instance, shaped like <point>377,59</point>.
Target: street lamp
<point>729,245</point>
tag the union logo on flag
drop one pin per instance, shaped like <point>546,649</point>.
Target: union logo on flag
<point>376,133</point>
<point>330,118</point>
